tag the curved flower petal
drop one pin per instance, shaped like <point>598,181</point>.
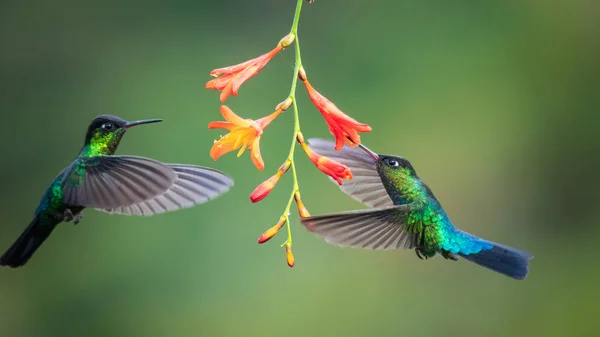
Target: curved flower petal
<point>231,117</point>
<point>256,156</point>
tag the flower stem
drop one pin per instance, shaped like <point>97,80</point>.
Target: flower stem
<point>297,66</point>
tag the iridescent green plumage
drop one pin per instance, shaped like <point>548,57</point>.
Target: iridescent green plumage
<point>405,214</point>
<point>114,184</point>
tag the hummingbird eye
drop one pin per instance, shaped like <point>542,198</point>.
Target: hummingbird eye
<point>392,163</point>
<point>108,126</point>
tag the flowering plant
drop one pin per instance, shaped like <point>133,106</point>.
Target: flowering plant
<point>244,134</point>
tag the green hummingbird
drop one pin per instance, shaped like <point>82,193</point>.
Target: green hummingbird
<point>114,184</point>
<point>405,214</point>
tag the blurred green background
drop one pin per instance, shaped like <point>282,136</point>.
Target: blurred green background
<point>495,103</point>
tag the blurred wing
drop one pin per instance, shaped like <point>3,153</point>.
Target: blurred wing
<point>381,229</point>
<point>115,181</point>
<point>194,185</point>
<point>366,185</point>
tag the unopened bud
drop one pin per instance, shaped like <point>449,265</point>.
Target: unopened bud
<point>301,209</point>
<point>289,255</point>
<point>270,233</point>
<point>262,190</point>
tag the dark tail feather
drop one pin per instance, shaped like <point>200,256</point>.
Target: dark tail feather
<point>29,241</point>
<point>503,259</point>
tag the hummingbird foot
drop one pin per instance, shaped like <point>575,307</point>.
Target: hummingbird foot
<point>449,256</point>
<point>67,215</point>
<point>78,218</point>
<point>421,254</point>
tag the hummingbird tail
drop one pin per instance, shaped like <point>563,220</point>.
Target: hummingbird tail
<point>503,259</point>
<point>29,241</point>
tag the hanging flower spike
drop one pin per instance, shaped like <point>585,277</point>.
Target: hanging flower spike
<point>344,128</point>
<point>330,167</point>
<point>243,134</point>
<point>263,190</point>
<point>288,255</point>
<point>230,79</point>
<point>270,233</point>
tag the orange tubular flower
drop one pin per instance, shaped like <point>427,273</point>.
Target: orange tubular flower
<point>330,167</point>
<point>243,134</point>
<point>343,127</point>
<point>230,79</point>
<point>269,233</point>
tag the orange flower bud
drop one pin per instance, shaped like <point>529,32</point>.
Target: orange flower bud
<point>262,190</point>
<point>269,233</point>
<point>289,255</point>
<point>330,167</point>
<point>301,209</point>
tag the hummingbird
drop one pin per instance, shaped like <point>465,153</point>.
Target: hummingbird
<point>404,214</point>
<point>115,184</point>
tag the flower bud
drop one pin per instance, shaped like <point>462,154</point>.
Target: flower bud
<point>289,255</point>
<point>262,190</point>
<point>301,209</point>
<point>269,233</point>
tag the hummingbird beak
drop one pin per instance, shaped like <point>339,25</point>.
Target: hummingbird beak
<point>373,155</point>
<point>144,121</point>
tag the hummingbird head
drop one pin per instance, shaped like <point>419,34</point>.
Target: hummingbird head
<point>105,133</point>
<point>391,166</point>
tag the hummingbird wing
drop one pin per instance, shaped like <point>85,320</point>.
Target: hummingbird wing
<point>193,185</point>
<point>115,181</point>
<point>381,229</point>
<point>366,185</point>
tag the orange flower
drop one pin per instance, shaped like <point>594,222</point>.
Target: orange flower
<point>243,134</point>
<point>269,233</point>
<point>263,190</point>
<point>288,255</point>
<point>230,79</point>
<point>330,167</point>
<point>343,127</point>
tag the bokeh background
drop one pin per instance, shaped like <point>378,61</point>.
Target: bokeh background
<point>495,103</point>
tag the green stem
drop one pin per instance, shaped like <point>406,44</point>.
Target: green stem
<point>297,66</point>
